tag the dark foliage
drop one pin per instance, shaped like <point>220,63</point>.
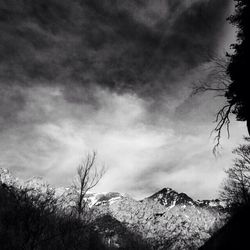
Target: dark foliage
<point>229,77</point>
<point>234,235</point>
<point>115,233</point>
<point>236,188</point>
<point>238,68</point>
<point>32,222</point>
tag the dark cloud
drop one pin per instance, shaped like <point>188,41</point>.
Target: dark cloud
<point>11,101</point>
<point>125,46</point>
<point>113,75</point>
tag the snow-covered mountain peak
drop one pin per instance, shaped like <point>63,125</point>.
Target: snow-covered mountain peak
<point>158,217</point>
<point>166,197</point>
<point>169,198</point>
<point>106,198</point>
<point>166,190</point>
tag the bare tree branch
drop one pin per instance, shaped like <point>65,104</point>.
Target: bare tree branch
<point>236,188</point>
<point>88,176</point>
<point>217,81</point>
<point>222,120</point>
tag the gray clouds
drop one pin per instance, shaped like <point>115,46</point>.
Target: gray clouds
<point>112,76</point>
<point>141,46</point>
<point>51,136</point>
<point>152,48</point>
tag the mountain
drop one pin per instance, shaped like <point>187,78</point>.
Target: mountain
<point>34,183</point>
<point>215,203</point>
<point>115,234</point>
<point>165,220</point>
<point>8,178</point>
<point>106,198</point>
<point>182,226</point>
<point>169,197</point>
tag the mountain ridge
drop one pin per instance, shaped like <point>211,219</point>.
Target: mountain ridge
<point>165,196</point>
<point>165,218</point>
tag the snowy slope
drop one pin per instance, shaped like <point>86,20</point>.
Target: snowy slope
<point>167,219</point>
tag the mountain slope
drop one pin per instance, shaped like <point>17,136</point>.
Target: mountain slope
<point>181,226</point>
<point>115,234</point>
<point>169,197</point>
<point>165,220</point>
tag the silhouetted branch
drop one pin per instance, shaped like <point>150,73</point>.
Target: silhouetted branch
<point>222,119</point>
<point>218,82</point>
<point>88,176</point>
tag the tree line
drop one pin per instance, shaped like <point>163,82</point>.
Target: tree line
<point>33,220</point>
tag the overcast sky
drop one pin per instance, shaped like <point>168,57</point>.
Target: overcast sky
<point>115,77</point>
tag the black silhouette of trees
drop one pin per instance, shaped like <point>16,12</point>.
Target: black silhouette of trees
<point>217,81</point>
<point>236,188</point>
<point>88,176</point>
<point>238,68</point>
<point>32,220</point>
<point>230,76</point>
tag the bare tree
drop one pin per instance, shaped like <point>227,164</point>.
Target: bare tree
<point>218,82</point>
<point>236,188</point>
<point>88,176</point>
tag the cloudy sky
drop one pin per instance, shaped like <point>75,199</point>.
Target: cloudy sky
<point>115,77</point>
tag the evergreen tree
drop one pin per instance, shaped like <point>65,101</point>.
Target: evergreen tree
<point>238,69</point>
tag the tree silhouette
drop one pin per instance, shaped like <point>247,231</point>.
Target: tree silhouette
<point>236,188</point>
<point>217,81</point>
<point>237,93</point>
<point>32,220</point>
<point>229,77</point>
<point>88,176</point>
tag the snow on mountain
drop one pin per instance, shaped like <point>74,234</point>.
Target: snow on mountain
<point>169,198</point>
<point>9,179</point>
<point>166,219</point>
<point>222,204</point>
<point>182,226</point>
<point>166,196</point>
<point>97,199</point>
